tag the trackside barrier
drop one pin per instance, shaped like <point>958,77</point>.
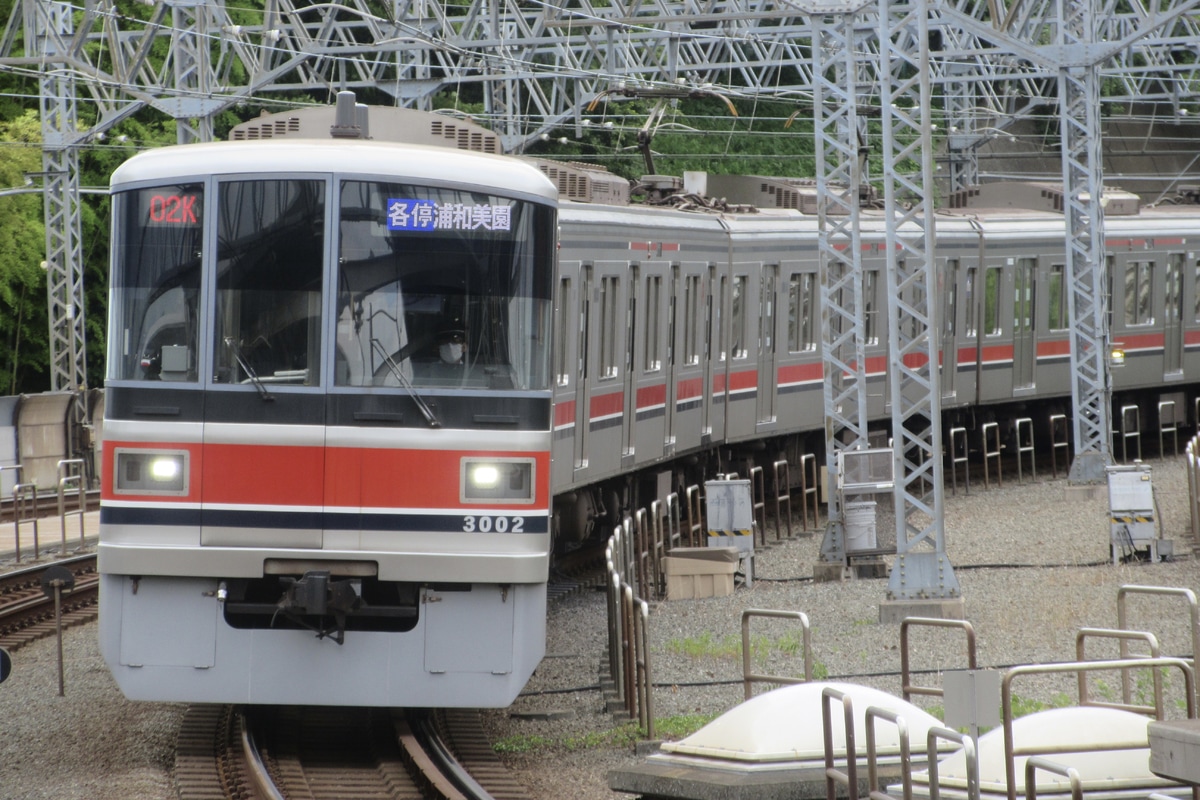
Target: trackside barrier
<point>968,745</point>
<point>644,573</point>
<point>906,685</point>
<point>70,477</point>
<point>1060,439</point>
<point>1192,454</point>
<point>1035,763</point>
<point>25,499</point>
<point>1187,595</point>
<point>959,454</point>
<point>758,502</point>
<point>1168,423</point>
<point>808,466</point>
<point>695,519</point>
<point>991,433</point>
<point>1025,445</point>
<point>1011,751</point>
<point>19,471</point>
<point>1124,637</point>
<point>835,777</point>
<point>749,678</point>
<point>870,717</point>
<point>1131,428</point>
<point>783,497</point>
<point>628,631</point>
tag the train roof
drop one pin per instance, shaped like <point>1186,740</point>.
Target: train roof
<point>505,175</point>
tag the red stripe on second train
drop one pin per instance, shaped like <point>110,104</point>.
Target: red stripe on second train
<point>746,379</point>
<point>650,396</point>
<point>1142,341</point>
<point>606,405</point>
<point>801,373</point>
<point>564,413</point>
<point>1050,349</point>
<point>688,389</point>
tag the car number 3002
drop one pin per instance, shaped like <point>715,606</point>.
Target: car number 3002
<point>494,524</point>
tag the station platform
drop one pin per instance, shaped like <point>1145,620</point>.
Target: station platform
<point>50,532</point>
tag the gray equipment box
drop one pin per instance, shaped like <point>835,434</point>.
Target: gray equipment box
<point>1133,524</point>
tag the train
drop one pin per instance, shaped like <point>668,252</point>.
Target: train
<point>368,376</point>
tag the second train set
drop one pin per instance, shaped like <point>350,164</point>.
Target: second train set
<point>359,391</point>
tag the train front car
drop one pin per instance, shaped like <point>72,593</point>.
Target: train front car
<point>326,465</point>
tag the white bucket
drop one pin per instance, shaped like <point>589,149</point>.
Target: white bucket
<point>860,526</point>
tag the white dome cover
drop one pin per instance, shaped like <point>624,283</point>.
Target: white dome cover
<point>785,725</point>
<point>1104,767</point>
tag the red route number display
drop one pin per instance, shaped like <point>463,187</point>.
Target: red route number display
<point>163,208</point>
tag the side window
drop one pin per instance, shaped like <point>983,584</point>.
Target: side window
<point>801,312</point>
<point>1058,298</point>
<point>871,306</point>
<point>652,357</point>
<point>970,323</point>
<point>738,318</point>
<point>1138,292</point>
<point>609,318</point>
<point>691,320</point>
<point>1196,290</point>
<point>991,302</point>
<point>562,369</point>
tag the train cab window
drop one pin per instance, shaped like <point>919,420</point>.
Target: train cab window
<point>441,288</point>
<point>1138,292</point>
<point>158,237</point>
<point>737,318</point>
<point>1058,319</point>
<point>801,309</point>
<point>991,302</point>
<point>270,254</point>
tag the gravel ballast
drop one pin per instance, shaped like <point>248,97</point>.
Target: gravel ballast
<point>559,737</point>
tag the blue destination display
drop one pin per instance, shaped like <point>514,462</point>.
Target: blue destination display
<point>405,214</point>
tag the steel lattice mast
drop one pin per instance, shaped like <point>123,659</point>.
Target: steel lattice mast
<point>922,575</point>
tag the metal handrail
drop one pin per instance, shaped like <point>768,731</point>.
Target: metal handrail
<point>932,691</point>
<point>748,677</point>
<point>66,481</point>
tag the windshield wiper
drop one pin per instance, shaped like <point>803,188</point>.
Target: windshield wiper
<point>394,368</point>
<point>237,355</point>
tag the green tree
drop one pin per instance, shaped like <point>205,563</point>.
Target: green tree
<point>24,331</point>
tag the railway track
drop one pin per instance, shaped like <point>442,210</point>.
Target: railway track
<point>320,753</point>
<point>27,610</point>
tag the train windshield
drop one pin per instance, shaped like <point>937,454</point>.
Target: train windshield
<point>444,288</point>
<point>156,284</point>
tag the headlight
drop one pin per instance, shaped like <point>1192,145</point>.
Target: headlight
<point>492,479</point>
<point>151,472</point>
